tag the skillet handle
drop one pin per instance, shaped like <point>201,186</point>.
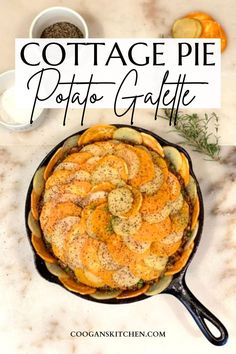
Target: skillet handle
<point>199,312</point>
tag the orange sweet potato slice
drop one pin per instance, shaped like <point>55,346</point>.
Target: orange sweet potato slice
<point>181,262</point>
<point>96,133</point>
<point>195,215</point>
<point>161,163</point>
<point>174,186</point>
<point>153,232</point>
<point>116,163</point>
<point>184,171</point>
<point>53,161</point>
<point>58,177</point>
<point>146,169</point>
<point>78,157</point>
<point>103,187</point>
<point>152,143</point>
<point>164,250</point>
<point>212,29</point>
<point>127,294</point>
<point>89,255</point>
<point>78,188</point>
<point>154,203</point>
<point>41,250</point>
<point>34,205</point>
<point>99,223</point>
<point>120,252</point>
<point>76,287</point>
<point>52,212</point>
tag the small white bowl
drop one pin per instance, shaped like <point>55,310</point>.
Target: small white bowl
<point>7,80</point>
<point>57,14</point>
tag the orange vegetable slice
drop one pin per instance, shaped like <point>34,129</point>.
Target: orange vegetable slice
<point>78,157</point>
<point>41,249</point>
<point>76,287</point>
<point>161,163</point>
<point>103,187</point>
<point>96,133</point>
<point>181,262</point>
<point>195,215</point>
<point>53,161</point>
<point>127,294</point>
<point>99,223</point>
<point>52,212</point>
<point>153,232</point>
<point>78,188</point>
<point>164,250</point>
<point>146,169</point>
<point>116,163</point>
<point>154,203</point>
<point>137,202</point>
<point>34,205</point>
<point>120,252</point>
<point>184,171</point>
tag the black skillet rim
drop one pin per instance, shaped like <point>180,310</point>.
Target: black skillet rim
<point>39,263</point>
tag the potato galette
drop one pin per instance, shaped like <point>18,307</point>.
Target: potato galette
<point>114,214</point>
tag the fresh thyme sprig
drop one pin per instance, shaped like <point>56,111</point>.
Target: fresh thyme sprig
<point>195,131</point>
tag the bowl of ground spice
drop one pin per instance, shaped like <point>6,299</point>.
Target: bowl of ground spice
<point>58,22</point>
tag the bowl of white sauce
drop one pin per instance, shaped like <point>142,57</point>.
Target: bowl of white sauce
<point>13,116</point>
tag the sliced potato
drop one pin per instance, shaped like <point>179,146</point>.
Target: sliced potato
<point>187,28</point>
<point>176,205</point>
<point>126,227</point>
<point>94,149</point>
<point>68,166</point>
<point>195,215</point>
<point>184,171</point>
<point>128,134</point>
<point>180,220</point>
<point>94,199</point>
<point>78,157</point>
<point>76,287</point>
<point>153,186</point>
<point>96,133</point>
<point>53,161</point>
<point>73,247</point>
<point>41,249</point>
<point>153,232</point>
<point>164,250</point>
<point>136,246</point>
<point>106,295</point>
<point>120,200</point>
<point>34,225</point>
<point>38,181</point>
<point>124,278</point>
<point>191,189</point>
<point>98,224</point>
<point>155,262</point>
<point>172,238</point>
<point>152,143</point>
<point>158,216</point>
<point>141,270</point>
<point>174,186</point>
<point>59,234</point>
<point>159,286</point>
<point>106,259</point>
<point>86,277</point>
<point>128,154</point>
<point>56,270</point>
<point>173,156</point>
<point>70,143</point>
<point>192,237</point>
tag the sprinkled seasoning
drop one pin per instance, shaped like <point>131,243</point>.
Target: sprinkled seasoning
<point>62,30</point>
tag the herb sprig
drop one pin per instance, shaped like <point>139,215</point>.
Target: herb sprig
<point>195,131</point>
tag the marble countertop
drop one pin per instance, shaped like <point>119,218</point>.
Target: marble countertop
<point>37,316</point>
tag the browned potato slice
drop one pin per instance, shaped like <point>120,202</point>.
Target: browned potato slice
<point>153,186</point>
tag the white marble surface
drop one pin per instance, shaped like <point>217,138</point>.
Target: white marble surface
<point>37,316</point>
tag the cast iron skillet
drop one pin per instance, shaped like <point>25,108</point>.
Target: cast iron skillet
<point>177,287</point>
